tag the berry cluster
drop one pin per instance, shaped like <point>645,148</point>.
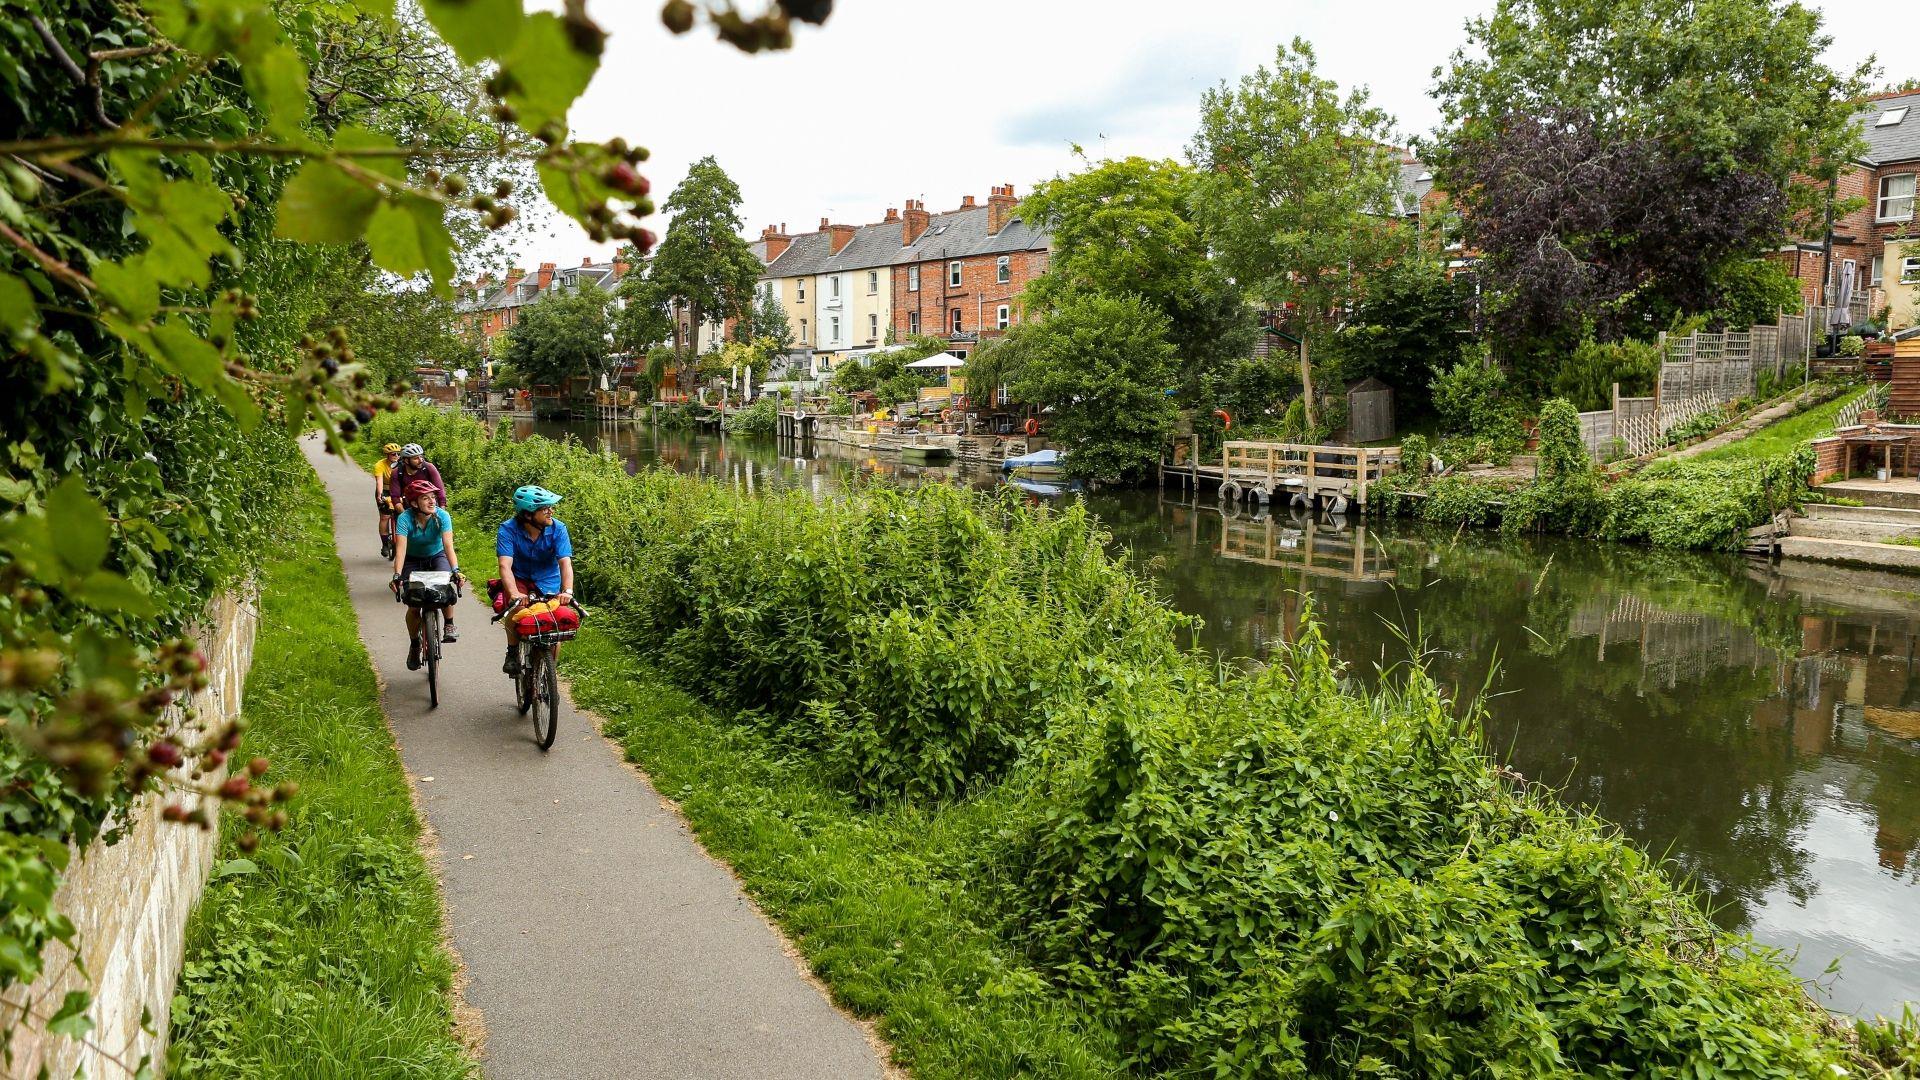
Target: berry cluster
<point>772,29</point>
<point>494,209</point>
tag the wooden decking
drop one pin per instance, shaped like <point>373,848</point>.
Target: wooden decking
<point>1335,477</point>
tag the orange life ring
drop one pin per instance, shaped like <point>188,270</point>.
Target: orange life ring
<point>1226,422</point>
<point>1033,426</point>
<point>946,415</point>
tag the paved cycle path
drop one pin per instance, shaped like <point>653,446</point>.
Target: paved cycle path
<point>599,940</point>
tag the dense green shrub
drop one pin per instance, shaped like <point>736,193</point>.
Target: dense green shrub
<point>758,420</point>
<point>1680,504</point>
<point>1270,877</point>
<point>1243,874</point>
<point>1589,374</point>
<point>1471,397</point>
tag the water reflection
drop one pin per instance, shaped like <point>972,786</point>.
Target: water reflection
<point>1760,726</point>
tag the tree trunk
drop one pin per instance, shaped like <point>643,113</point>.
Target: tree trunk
<point>1306,383</point>
<point>689,359</point>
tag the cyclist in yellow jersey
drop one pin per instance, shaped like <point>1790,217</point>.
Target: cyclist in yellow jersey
<point>382,499</point>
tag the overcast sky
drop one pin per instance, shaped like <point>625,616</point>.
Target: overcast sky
<point>898,99</point>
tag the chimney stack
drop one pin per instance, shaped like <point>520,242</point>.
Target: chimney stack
<point>1000,206</point>
<point>586,261</point>
<point>777,241</point>
<point>914,222</point>
<point>545,277</point>
<point>966,202</point>
<point>838,236</point>
<point>620,267</point>
<point>893,216</point>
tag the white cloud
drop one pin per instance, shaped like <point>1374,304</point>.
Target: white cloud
<point>897,99</point>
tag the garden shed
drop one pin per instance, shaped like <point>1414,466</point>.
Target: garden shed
<point>1369,411</point>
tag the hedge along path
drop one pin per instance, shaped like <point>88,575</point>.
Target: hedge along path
<point>598,937</point>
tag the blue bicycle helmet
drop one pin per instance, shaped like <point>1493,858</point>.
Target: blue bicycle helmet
<point>533,497</point>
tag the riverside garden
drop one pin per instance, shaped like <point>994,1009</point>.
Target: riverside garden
<point>1003,798</point>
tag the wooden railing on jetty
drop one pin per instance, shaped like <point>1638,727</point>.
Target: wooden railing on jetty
<point>1263,470</point>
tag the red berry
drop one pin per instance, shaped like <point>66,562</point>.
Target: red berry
<point>174,812</point>
<point>216,758</point>
<point>235,788</point>
<point>258,766</point>
<point>164,754</point>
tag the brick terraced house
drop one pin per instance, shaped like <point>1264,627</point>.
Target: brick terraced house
<point>957,275</point>
<point>1878,244</point>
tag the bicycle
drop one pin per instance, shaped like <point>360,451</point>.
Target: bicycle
<point>537,687</point>
<point>430,592</point>
<point>385,526</point>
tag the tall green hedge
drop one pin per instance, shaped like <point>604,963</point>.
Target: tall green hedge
<point>1243,873</point>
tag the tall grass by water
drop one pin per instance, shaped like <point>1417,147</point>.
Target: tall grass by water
<point>970,765</point>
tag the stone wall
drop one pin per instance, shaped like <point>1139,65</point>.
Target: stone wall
<point>129,901</point>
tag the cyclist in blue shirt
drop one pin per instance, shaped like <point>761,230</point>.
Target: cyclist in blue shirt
<point>536,557</point>
<point>423,540</point>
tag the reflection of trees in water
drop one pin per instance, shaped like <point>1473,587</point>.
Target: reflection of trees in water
<point>1662,688</point>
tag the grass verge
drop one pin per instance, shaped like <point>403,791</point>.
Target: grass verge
<point>321,954</point>
<point>1781,437</point>
<point>878,901</point>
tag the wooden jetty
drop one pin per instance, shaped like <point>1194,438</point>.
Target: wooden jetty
<point>1303,474</point>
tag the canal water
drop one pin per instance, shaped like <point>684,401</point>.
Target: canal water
<point>1758,726</point>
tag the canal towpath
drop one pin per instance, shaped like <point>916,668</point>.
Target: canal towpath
<point>599,940</point>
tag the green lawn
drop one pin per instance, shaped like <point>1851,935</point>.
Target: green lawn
<point>1783,435</point>
<point>320,955</point>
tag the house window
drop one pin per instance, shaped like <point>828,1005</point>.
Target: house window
<point>1875,269</point>
<point>913,322</point>
<point>1003,269</point>
<point>803,331</point>
<point>873,327</point>
<point>802,286</point>
<point>956,320</point>
<point>873,282</point>
<point>833,328</point>
<point>1896,197</point>
<point>953,271</point>
<point>913,279</point>
<point>835,282</point>
<point>1910,270</point>
<point>1003,316</point>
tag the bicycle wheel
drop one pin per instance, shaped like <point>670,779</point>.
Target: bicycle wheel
<point>546,697</point>
<point>523,682</point>
<point>430,652</point>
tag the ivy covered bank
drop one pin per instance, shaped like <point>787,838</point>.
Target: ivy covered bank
<point>968,762</point>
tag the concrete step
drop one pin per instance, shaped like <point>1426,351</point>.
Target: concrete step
<point>1872,531</point>
<point>1852,553</point>
<point>1892,515</point>
<point>1903,494</point>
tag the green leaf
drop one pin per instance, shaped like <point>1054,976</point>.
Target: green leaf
<point>476,29</point>
<point>234,868</point>
<point>71,1019</point>
<point>109,591</point>
<point>410,236</point>
<point>277,79</point>
<point>80,525</point>
<point>197,361</point>
<point>17,309</point>
<point>130,286</point>
<point>323,205</point>
<point>548,72</point>
<point>180,218</point>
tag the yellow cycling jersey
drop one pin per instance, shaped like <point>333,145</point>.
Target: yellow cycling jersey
<point>381,470</point>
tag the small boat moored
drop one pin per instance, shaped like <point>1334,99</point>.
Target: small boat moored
<point>925,453</point>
